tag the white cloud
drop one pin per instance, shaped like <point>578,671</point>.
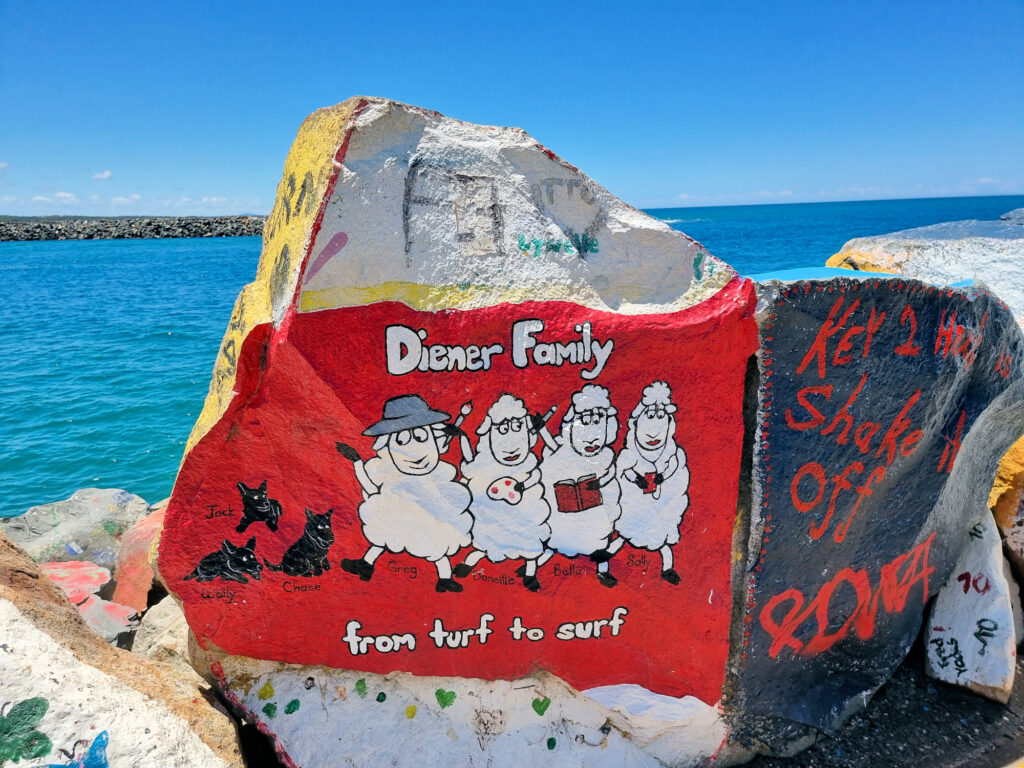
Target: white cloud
<point>8,199</point>
<point>64,197</point>
<point>3,166</point>
<point>684,196</point>
<point>103,175</point>
<point>986,180</point>
<point>40,199</point>
<point>125,200</point>
<point>214,200</point>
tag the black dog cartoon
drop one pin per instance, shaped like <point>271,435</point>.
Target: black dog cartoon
<point>230,562</point>
<point>257,508</point>
<point>308,555</point>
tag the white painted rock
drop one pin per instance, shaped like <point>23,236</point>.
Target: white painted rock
<point>991,252</point>
<point>537,720</point>
<point>65,689</point>
<point>86,526</point>
<point>972,637</point>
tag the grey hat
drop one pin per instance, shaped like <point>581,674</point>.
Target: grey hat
<point>405,412</point>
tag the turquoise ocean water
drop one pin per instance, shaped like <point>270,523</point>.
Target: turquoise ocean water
<point>108,345</point>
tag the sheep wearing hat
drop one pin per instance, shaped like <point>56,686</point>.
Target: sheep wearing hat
<point>412,501</point>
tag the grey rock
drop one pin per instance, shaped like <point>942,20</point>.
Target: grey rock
<point>86,526</point>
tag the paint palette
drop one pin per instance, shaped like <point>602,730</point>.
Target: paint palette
<point>504,489</point>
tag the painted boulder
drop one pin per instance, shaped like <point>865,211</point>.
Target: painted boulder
<point>475,417</point>
<point>974,625</point>
<point>86,526</point>
<point>884,406</point>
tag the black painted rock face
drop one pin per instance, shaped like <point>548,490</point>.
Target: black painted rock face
<point>884,408</point>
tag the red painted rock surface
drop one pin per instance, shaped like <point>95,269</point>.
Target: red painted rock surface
<point>77,578</point>
<point>325,384</point>
<point>134,574</point>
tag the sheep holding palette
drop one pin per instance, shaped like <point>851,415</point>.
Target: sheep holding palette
<point>509,510</point>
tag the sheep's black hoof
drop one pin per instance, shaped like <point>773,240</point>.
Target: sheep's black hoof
<point>521,570</point>
<point>531,583</point>
<point>607,579</point>
<point>360,568</point>
<point>601,556</point>
<point>462,570</point>
<point>670,576</point>
<point>447,585</point>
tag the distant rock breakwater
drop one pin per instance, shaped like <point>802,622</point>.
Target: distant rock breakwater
<point>133,227</point>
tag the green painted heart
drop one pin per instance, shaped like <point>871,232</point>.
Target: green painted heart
<point>444,698</point>
<point>540,706</point>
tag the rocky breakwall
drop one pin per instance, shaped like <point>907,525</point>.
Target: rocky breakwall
<point>94,228</point>
<point>496,466</point>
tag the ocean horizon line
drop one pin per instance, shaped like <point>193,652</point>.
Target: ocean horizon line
<point>645,208</point>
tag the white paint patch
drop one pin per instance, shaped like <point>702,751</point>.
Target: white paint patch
<point>430,201</point>
<point>972,637</point>
<point>683,731</point>
<point>398,719</point>
<point>84,702</point>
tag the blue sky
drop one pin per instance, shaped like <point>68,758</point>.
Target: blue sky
<point>190,108</point>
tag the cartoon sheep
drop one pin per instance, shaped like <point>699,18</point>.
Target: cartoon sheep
<point>509,509</point>
<point>579,479</point>
<point>654,479</point>
<point>412,501</point>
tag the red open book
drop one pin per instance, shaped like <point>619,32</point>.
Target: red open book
<point>576,495</point>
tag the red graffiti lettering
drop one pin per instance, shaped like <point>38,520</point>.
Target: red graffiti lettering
<point>814,469</point>
<point>1004,364</point>
<point>980,582</point>
<point>949,453</point>
<point>840,482</point>
<point>817,418</point>
<point>845,346</point>
<point>844,416</point>
<point>959,340</point>
<point>909,348</point>
<point>898,427</point>
<point>819,349</point>
<point>873,326</point>
<point>895,583</point>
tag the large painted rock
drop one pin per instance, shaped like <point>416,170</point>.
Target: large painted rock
<point>87,526</point>
<point>884,406</point>
<point>989,251</point>
<point>71,699</point>
<point>971,637</point>
<point>476,417</point>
